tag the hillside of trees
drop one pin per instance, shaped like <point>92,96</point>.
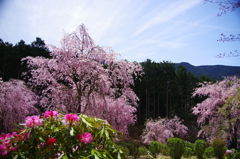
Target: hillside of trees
<point>166,91</point>
<point>11,55</point>
<point>215,72</point>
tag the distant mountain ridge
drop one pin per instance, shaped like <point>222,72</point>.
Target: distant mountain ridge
<point>215,72</point>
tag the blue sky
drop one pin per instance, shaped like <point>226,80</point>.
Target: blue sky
<point>171,30</point>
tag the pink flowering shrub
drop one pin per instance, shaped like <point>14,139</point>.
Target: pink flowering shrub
<point>62,136</point>
<point>33,121</point>
<point>162,129</point>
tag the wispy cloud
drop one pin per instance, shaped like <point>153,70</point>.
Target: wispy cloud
<point>170,30</point>
<point>166,13</point>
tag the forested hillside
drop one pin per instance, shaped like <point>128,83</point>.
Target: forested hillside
<point>215,72</point>
<point>165,90</point>
<point>11,55</point>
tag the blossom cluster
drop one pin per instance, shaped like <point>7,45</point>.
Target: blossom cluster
<point>51,114</point>
<point>6,144</point>
<point>7,141</point>
<point>228,154</point>
<point>86,138</point>
<point>33,121</point>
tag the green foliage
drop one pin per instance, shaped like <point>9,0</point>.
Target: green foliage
<point>236,154</point>
<point>143,150</point>
<point>176,147</point>
<point>164,149</point>
<point>154,148</point>
<point>209,152</point>
<point>125,150</point>
<point>199,148</point>
<point>188,152</point>
<point>133,148</point>
<point>189,149</point>
<point>34,142</point>
<point>165,80</point>
<point>11,65</point>
<point>219,147</point>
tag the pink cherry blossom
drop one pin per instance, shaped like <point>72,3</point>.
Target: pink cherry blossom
<point>82,77</point>
<point>86,138</point>
<point>219,109</point>
<point>33,121</point>
<point>71,118</point>
<point>162,129</point>
<point>15,96</point>
<point>51,114</point>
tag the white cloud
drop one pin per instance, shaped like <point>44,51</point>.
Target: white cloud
<point>135,29</point>
<point>166,13</point>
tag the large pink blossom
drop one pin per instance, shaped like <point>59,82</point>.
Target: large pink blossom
<point>51,114</point>
<point>71,118</point>
<point>86,138</point>
<point>33,121</point>
<point>51,141</point>
<point>5,138</point>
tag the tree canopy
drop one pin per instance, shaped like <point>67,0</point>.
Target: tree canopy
<point>219,113</point>
<point>82,77</point>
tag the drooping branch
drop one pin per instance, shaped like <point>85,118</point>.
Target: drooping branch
<point>231,37</point>
<point>225,5</point>
<point>231,54</point>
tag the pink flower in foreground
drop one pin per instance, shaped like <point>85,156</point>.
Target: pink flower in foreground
<point>5,138</point>
<point>51,141</point>
<point>33,121</point>
<point>13,148</point>
<point>86,138</point>
<point>51,114</point>
<point>71,118</point>
<point>3,150</point>
<point>229,151</point>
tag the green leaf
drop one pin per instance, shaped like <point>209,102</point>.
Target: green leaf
<point>95,156</point>
<point>101,133</point>
<point>119,155</point>
<point>86,122</point>
<point>72,131</point>
<point>65,157</point>
<point>15,157</point>
<point>40,137</point>
<point>107,134</point>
